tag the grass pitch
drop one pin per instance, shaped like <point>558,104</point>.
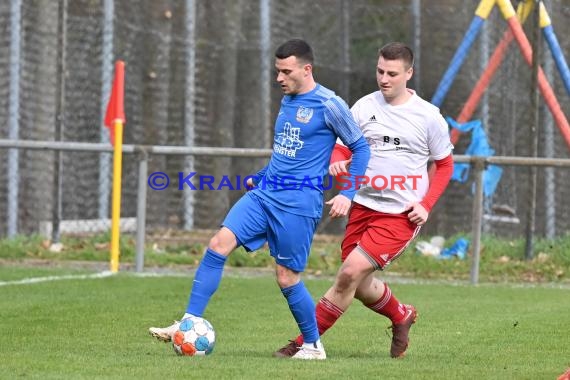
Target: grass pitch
<point>97,328</point>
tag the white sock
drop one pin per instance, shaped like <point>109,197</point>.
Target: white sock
<point>187,315</point>
<point>313,345</point>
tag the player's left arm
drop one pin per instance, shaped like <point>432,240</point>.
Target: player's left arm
<point>419,211</point>
<point>440,148</point>
<point>340,120</point>
<point>340,204</point>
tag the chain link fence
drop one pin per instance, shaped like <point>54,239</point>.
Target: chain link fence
<point>200,73</point>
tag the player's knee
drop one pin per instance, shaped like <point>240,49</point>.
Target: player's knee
<point>346,279</point>
<point>222,243</point>
<point>215,244</point>
<point>286,277</point>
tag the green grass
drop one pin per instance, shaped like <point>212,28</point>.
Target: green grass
<point>501,259</point>
<point>14,273</point>
<point>98,329</point>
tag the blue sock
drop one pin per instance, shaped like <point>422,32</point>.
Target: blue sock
<point>206,282</point>
<point>303,308</point>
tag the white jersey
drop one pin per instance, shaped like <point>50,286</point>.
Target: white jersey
<point>402,138</point>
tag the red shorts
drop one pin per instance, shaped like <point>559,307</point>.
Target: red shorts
<point>382,237</point>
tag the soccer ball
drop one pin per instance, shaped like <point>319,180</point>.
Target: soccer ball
<point>195,336</point>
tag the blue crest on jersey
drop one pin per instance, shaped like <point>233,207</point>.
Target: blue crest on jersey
<point>304,114</point>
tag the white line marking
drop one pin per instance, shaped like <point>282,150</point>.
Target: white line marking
<point>263,272</point>
<point>35,280</point>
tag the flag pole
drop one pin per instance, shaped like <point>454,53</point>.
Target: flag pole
<point>114,119</point>
<point>116,204</point>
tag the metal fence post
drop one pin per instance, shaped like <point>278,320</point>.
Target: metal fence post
<point>141,210</point>
<point>478,167</point>
<point>14,118</point>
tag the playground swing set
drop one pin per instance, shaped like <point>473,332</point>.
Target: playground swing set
<point>462,124</point>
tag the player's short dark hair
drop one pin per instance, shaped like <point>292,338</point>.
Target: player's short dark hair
<point>295,47</point>
<point>397,50</point>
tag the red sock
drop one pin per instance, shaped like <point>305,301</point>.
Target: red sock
<point>327,314</point>
<point>388,306</point>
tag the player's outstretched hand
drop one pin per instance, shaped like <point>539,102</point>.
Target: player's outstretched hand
<point>339,206</point>
<point>339,167</point>
<point>417,213</point>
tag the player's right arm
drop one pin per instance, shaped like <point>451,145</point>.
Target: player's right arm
<point>340,160</point>
<point>253,181</point>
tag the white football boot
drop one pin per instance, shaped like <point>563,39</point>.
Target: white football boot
<point>164,333</point>
<point>311,351</point>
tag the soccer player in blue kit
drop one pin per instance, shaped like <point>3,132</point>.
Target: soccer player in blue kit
<point>286,204</point>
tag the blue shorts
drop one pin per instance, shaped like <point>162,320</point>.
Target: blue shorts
<point>254,221</point>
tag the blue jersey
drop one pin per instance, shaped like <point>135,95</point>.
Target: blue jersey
<point>306,130</point>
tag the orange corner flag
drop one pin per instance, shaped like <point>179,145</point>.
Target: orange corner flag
<point>115,107</point>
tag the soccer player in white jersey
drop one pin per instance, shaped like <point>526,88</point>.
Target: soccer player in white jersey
<point>286,204</point>
<point>403,132</point>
